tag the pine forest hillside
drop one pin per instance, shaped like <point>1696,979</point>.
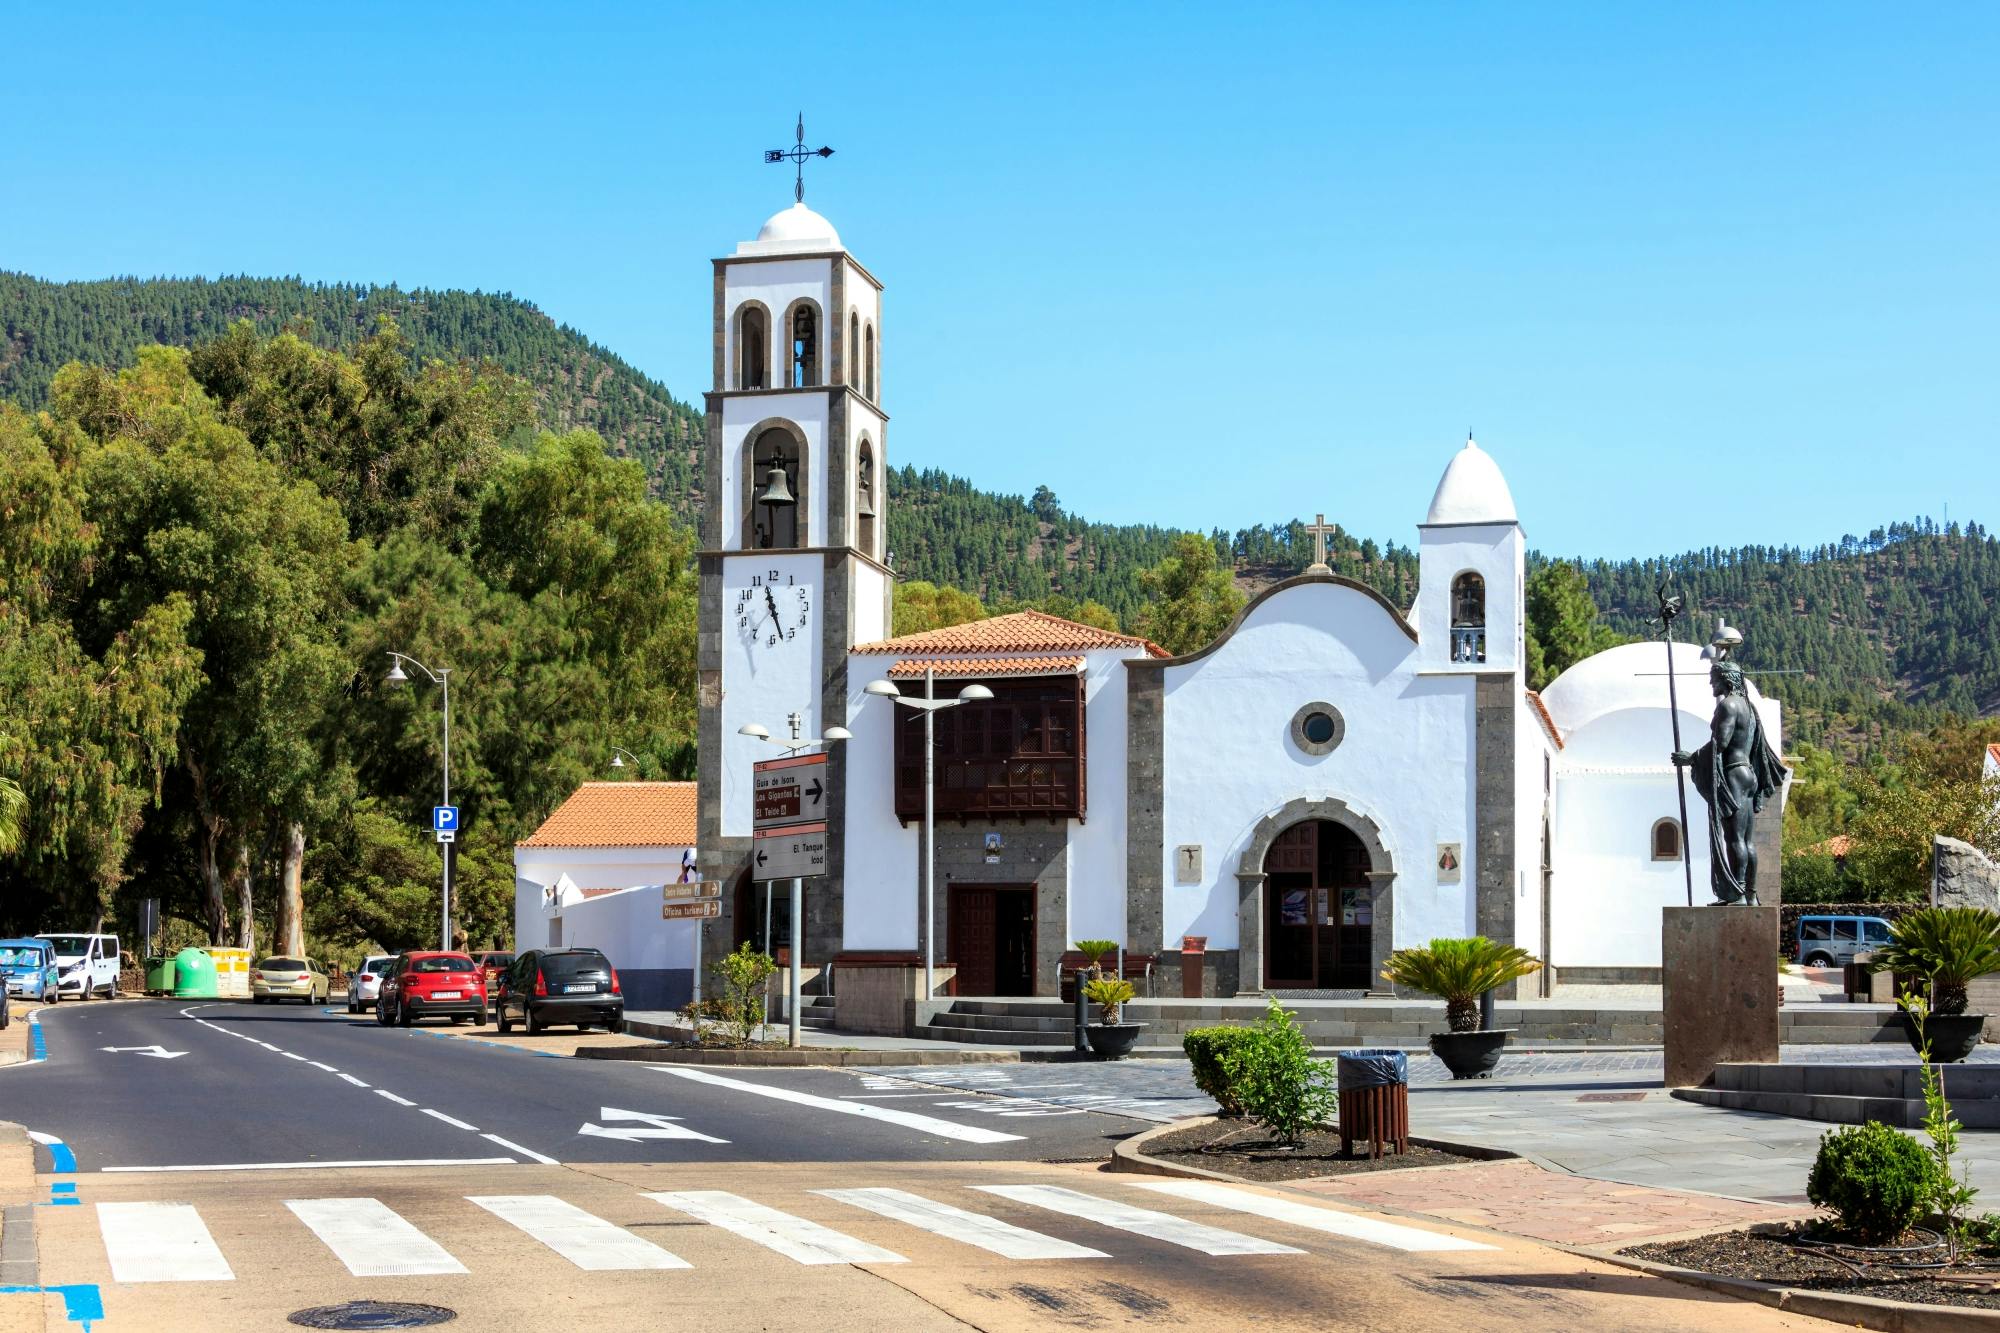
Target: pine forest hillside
<point>1885,633</point>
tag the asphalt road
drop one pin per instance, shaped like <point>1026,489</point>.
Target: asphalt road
<point>239,1084</point>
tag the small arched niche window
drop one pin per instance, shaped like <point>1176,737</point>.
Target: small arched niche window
<point>868,342</point>
<point>1667,840</point>
<point>805,347</point>
<point>852,355</point>
<point>1468,618</point>
<point>753,348</point>
<point>867,504</point>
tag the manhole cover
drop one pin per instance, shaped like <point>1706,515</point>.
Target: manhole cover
<point>372,1314</point>
<point>1612,1097</point>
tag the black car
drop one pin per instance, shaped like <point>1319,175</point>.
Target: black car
<point>549,986</point>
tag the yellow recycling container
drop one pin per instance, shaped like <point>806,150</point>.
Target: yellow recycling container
<point>232,972</point>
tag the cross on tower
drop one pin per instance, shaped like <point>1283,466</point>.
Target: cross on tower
<point>798,153</point>
<point>1320,530</point>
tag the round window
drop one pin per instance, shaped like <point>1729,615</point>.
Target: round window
<point>1318,728</point>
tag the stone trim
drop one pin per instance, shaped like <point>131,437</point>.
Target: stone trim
<point>836,255</point>
<point>1145,811</point>
<point>720,395</point>
<point>748,481</point>
<point>806,550</point>
<point>839,479</point>
<point>1312,747</point>
<point>721,327</point>
<point>1250,880</point>
<point>1299,581</point>
<point>834,364</point>
<point>1493,797</point>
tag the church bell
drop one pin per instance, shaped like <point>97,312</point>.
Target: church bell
<point>865,505</point>
<point>776,490</point>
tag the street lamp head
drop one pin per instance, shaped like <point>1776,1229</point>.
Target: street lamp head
<point>753,730</point>
<point>974,693</point>
<point>882,689</point>
<point>617,761</point>
<point>837,734</point>
<point>396,675</point>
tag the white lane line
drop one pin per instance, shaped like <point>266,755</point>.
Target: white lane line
<point>289,1056</point>
<point>321,1166</point>
<point>944,1129</point>
<point>988,1233</point>
<point>1138,1221</point>
<point>267,1045</point>
<point>586,1240</point>
<point>400,1101</point>
<point>453,1121</point>
<point>372,1239</point>
<point>1352,1226</point>
<point>317,1065</point>
<point>525,1152</point>
<point>794,1237</point>
<point>160,1242</point>
<point>355,1081</point>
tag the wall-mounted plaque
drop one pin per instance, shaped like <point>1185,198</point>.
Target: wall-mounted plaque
<point>1450,862</point>
<point>1187,863</point>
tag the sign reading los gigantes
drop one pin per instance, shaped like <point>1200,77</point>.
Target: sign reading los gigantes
<point>788,792</point>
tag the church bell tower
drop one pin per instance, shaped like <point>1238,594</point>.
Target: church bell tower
<point>793,533</point>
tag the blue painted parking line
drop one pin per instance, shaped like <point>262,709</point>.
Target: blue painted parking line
<point>82,1302</point>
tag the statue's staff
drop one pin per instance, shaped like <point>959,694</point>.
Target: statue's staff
<point>1670,609</point>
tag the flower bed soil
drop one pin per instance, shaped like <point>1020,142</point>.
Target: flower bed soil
<point>1239,1149</point>
<point>1764,1256</point>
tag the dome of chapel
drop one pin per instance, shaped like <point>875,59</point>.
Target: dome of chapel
<point>1472,490</point>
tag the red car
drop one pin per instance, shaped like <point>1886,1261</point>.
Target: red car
<point>431,984</point>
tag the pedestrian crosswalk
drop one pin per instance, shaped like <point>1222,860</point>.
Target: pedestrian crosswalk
<point>170,1242</point>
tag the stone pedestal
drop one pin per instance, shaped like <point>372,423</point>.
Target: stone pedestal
<point>1719,984</point>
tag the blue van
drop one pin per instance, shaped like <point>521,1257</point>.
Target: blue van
<point>28,969</point>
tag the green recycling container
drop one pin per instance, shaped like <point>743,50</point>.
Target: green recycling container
<point>159,976</point>
<point>194,975</point>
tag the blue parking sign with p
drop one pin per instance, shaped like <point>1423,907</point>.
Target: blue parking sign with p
<point>444,818</point>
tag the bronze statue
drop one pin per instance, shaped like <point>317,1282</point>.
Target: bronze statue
<point>1736,772</point>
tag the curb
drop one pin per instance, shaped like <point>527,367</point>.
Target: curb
<point>1855,1311</point>
<point>1129,1155</point>
<point>805,1057</point>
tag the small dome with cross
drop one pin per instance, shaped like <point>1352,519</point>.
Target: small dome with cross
<point>793,230</point>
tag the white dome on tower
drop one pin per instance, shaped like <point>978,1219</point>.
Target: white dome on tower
<point>1472,490</point>
<point>793,230</point>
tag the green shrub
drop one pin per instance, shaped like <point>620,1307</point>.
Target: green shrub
<point>1459,972</point>
<point>1874,1179</point>
<point>1108,993</point>
<point>740,984</point>
<point>1946,946</point>
<point>1209,1051</point>
<point>1276,1080</point>
<point>1094,951</point>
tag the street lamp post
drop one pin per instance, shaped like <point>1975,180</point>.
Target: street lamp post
<point>790,747</point>
<point>442,678</point>
<point>930,705</point>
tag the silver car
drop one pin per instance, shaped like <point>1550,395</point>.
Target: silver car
<point>364,988</point>
<point>1832,941</point>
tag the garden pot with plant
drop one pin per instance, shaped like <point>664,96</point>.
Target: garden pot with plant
<point>1459,972</point>
<point>1945,948</point>
<point>1111,1038</point>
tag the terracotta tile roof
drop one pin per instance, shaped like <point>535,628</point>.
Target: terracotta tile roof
<point>1016,632</point>
<point>975,667</point>
<point>1993,753</point>
<point>1838,845</point>
<point>620,814</point>
<point>1542,712</point>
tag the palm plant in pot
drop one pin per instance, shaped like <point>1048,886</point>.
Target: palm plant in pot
<point>1111,1038</point>
<point>1459,972</point>
<point>1947,947</point>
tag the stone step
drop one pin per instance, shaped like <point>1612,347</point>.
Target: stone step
<point>991,1037</point>
<point>951,1018</point>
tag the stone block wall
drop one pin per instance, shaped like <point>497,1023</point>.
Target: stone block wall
<point>1032,851</point>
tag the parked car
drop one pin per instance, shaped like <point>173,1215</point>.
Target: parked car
<point>431,984</point>
<point>86,965</point>
<point>548,986</point>
<point>492,965</point>
<point>29,970</point>
<point>287,978</point>
<point>364,988</point>
<point>1832,941</point>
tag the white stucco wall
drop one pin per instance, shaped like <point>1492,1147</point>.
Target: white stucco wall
<point>804,408</point>
<point>1497,552</point>
<point>765,683</point>
<point>776,283</point>
<point>626,926</point>
<point>1406,760</point>
<point>1097,845</point>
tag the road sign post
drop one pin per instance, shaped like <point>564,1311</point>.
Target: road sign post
<point>788,842</point>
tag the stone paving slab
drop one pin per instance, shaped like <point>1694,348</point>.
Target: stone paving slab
<point>1523,1199</point>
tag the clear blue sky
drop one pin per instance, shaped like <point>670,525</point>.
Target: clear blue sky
<point>1201,266</point>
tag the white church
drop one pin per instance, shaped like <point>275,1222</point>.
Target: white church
<point>1332,778</point>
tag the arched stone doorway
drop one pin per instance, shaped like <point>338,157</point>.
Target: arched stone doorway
<point>1315,909</point>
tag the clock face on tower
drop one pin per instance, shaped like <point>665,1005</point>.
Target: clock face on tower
<point>773,612</point>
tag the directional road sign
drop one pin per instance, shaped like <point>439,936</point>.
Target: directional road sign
<point>798,852</point>
<point>706,888</point>
<point>704,909</point>
<point>789,792</point>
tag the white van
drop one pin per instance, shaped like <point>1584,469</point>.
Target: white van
<point>86,965</point>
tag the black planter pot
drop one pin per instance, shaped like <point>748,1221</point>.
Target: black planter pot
<point>1953,1036</point>
<point>1113,1041</point>
<point>1470,1054</point>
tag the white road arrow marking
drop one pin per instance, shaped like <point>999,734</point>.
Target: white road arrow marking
<point>157,1052</point>
<point>656,1127</point>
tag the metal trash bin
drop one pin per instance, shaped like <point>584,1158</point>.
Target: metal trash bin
<point>159,975</point>
<point>1374,1100</point>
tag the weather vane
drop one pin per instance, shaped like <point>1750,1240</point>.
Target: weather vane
<point>798,153</point>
